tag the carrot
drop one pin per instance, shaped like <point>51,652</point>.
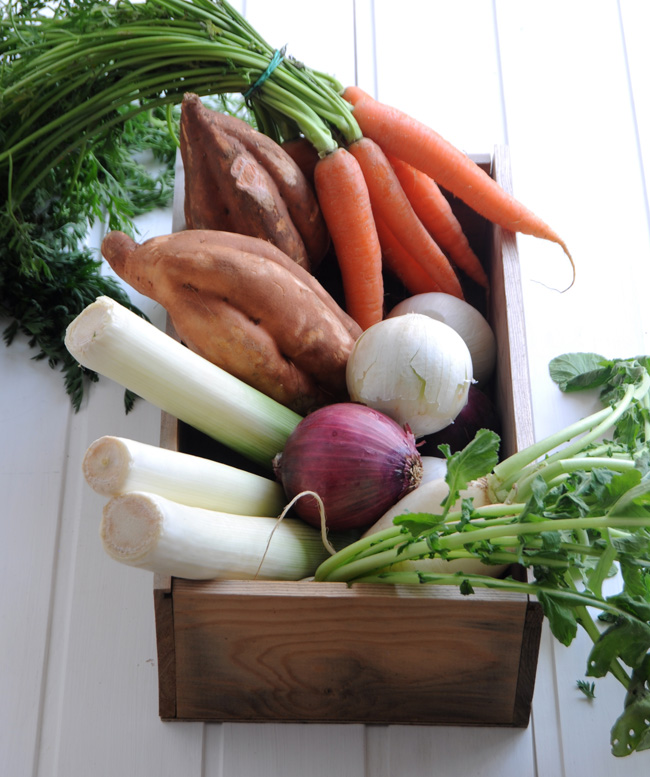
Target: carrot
<point>398,261</point>
<point>408,139</point>
<point>391,205</point>
<point>435,212</point>
<point>345,203</point>
<point>353,94</point>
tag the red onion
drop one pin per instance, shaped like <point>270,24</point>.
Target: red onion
<point>358,460</point>
<point>478,413</point>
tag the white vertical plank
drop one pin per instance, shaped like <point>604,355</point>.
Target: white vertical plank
<point>635,15</point>
<point>321,37</point>
<point>438,62</point>
<point>575,163</point>
<point>364,43</point>
<point>413,751</point>
<point>100,710</point>
<point>34,414</point>
<point>293,750</point>
<point>546,713</point>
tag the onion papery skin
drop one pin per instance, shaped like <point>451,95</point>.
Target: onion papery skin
<point>479,413</point>
<point>359,461</point>
<point>465,319</point>
<point>413,368</point>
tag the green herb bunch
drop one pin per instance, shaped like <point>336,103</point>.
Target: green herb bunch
<point>48,272</point>
<point>573,509</point>
<point>83,85</point>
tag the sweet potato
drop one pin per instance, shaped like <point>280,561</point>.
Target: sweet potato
<point>226,188</point>
<point>303,154</point>
<point>295,189</point>
<point>254,245</point>
<point>244,312</point>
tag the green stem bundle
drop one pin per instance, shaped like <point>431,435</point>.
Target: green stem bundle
<point>582,514</point>
<point>74,75</point>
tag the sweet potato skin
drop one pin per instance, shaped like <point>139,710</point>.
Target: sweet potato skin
<point>294,187</point>
<point>246,313</point>
<point>226,188</point>
<point>263,248</point>
<point>303,154</point>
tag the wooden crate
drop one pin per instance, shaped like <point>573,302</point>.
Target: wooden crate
<point>326,652</point>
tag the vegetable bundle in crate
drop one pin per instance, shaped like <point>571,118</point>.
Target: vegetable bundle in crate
<point>308,651</point>
<point>187,267</point>
<point>340,647</point>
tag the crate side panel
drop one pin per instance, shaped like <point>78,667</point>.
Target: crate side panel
<point>319,659</point>
<point>506,315</point>
<point>165,646</point>
<point>531,638</point>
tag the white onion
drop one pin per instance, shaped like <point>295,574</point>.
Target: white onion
<point>464,319</point>
<point>412,368</point>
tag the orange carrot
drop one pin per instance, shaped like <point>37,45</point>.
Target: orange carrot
<point>398,261</point>
<point>343,197</point>
<point>406,138</point>
<point>353,94</point>
<point>391,204</point>
<point>434,211</point>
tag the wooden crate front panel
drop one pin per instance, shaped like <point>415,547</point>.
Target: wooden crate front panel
<point>317,652</point>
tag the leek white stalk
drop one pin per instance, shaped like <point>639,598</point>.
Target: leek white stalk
<point>109,339</point>
<point>414,369</point>
<point>462,317</point>
<point>150,532</point>
<point>116,465</point>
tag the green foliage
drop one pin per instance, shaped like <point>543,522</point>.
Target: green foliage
<point>48,273</point>
<point>589,689</point>
<point>85,88</point>
<point>584,519</point>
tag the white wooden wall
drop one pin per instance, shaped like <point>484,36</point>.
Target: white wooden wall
<point>564,84</point>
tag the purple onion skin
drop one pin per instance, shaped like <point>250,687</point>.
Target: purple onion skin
<point>478,413</point>
<point>359,461</point>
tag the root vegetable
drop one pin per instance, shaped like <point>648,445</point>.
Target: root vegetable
<point>227,188</point>
<point>465,319</point>
<point>293,186</point>
<point>427,498</point>
<point>357,460</point>
<point>242,312</point>
<point>343,195</point>
<point>415,369</point>
<point>259,247</point>
<point>303,154</point>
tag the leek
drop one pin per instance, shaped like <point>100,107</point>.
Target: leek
<point>115,465</point>
<point>153,533</point>
<point>111,340</point>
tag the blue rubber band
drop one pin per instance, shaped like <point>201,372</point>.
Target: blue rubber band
<point>275,61</point>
